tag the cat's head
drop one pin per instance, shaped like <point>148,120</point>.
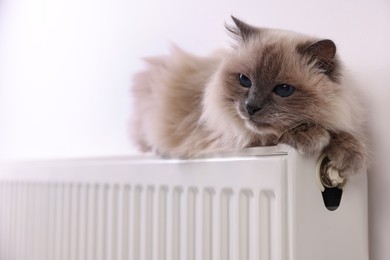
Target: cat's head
<point>275,80</point>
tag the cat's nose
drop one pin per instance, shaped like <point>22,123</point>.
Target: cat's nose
<point>252,108</point>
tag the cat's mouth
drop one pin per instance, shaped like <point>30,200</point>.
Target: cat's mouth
<point>254,122</point>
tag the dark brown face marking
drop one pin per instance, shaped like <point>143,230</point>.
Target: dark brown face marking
<point>268,66</point>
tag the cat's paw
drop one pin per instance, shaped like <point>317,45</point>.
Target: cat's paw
<point>347,154</point>
<point>308,139</point>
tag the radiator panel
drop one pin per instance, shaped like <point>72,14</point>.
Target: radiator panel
<point>240,207</point>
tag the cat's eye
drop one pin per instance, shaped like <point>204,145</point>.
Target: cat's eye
<point>245,81</point>
<point>284,90</point>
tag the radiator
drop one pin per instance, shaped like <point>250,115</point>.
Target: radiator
<point>260,204</point>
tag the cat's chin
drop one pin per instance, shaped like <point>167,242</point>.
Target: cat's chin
<point>260,128</point>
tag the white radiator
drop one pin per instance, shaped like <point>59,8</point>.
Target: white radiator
<point>263,204</point>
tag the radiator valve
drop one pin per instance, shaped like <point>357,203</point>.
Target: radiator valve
<point>327,176</point>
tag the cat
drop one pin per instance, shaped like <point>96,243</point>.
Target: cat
<point>273,86</point>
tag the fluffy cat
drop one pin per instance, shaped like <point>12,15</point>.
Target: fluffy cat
<point>273,86</point>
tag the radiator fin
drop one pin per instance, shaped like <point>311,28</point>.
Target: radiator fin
<point>245,224</point>
<point>207,240</point>
<point>177,222</point>
<point>267,225</point>
<point>191,212</point>
<point>225,220</point>
<point>137,223</point>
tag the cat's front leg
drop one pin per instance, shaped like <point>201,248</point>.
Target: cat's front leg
<point>347,153</point>
<point>308,139</point>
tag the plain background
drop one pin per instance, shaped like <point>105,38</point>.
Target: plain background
<point>66,68</point>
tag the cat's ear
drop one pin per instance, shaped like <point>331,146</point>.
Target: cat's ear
<point>242,31</point>
<point>323,52</point>
<point>323,49</point>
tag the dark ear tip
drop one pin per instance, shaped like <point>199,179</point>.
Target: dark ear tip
<point>241,30</point>
<point>330,46</point>
<point>325,49</point>
<point>329,43</point>
<point>235,20</point>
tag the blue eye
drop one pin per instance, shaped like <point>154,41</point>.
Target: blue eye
<point>245,81</point>
<point>284,90</point>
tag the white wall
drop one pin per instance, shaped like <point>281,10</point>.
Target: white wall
<point>66,66</point>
